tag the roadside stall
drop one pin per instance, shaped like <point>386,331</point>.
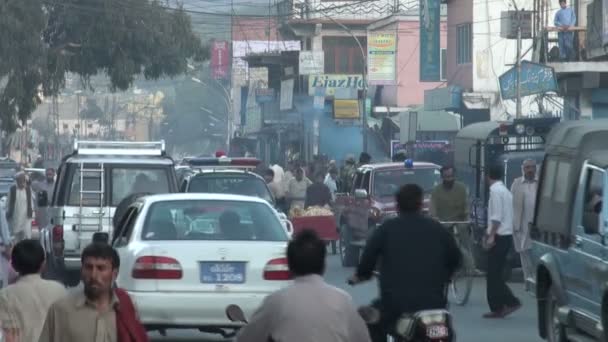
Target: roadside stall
<point>321,220</point>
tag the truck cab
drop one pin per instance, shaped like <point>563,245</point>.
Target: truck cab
<point>90,183</point>
<point>371,201</point>
<point>482,144</point>
<point>570,234</point>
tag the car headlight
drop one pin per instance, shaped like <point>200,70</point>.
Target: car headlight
<point>520,129</point>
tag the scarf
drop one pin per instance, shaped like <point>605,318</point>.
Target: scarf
<point>128,326</point>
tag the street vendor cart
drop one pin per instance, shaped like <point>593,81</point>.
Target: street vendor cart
<point>321,220</point>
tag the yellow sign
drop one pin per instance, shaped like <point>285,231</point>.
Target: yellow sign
<point>346,109</point>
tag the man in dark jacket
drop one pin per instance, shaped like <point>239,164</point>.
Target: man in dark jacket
<point>417,258</point>
<point>318,194</point>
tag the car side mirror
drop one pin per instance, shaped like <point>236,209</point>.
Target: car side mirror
<point>360,194</point>
<point>43,199</point>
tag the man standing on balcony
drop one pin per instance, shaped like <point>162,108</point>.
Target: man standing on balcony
<point>565,19</point>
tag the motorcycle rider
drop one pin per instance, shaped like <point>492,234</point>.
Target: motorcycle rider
<point>417,257</point>
<point>309,310</point>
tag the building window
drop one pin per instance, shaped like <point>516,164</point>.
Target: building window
<point>444,64</point>
<point>463,43</point>
<point>343,55</point>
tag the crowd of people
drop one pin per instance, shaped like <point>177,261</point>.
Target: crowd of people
<point>315,184</point>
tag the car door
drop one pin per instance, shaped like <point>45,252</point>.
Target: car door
<point>587,253</point>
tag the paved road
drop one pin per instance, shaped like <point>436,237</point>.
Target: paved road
<point>471,327</point>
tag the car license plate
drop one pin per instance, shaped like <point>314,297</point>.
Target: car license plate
<point>222,272</point>
<point>437,331</point>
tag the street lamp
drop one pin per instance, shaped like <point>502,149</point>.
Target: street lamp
<point>363,55</point>
<point>229,107</point>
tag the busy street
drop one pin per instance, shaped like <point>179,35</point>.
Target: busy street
<point>470,326</point>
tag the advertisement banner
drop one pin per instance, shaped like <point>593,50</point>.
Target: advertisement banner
<point>333,81</point>
<point>286,99</point>
<point>430,48</point>
<point>264,95</point>
<point>381,57</point>
<point>346,109</point>
<point>604,22</point>
<point>311,62</point>
<point>242,48</point>
<point>220,60</point>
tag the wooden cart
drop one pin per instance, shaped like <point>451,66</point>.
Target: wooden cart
<point>324,226</point>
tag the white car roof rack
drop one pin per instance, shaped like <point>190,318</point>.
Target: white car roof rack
<point>120,148</point>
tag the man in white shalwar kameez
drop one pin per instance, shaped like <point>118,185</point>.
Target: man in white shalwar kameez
<point>5,247</point>
<point>524,200</point>
<point>19,208</point>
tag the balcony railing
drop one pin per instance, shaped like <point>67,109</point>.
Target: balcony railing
<point>349,10</point>
<point>549,45</point>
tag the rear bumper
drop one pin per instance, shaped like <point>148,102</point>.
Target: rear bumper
<point>192,309</point>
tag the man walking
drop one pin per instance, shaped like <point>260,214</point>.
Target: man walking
<point>5,249</point>
<point>318,194</point>
<point>524,200</point>
<point>98,312</point>
<point>564,20</point>
<point>44,188</point>
<point>24,305</point>
<point>19,210</point>
<point>498,241</point>
<point>296,189</point>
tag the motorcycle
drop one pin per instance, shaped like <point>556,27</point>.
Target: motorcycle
<point>236,314</point>
<point>422,326</point>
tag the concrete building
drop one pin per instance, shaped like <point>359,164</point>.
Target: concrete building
<point>583,81</point>
<point>477,55</point>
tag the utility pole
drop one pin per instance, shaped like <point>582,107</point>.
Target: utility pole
<point>518,65</point>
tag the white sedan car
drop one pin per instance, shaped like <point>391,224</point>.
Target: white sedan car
<point>186,257</point>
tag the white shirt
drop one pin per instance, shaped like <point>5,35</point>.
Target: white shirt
<point>333,187</point>
<point>500,209</point>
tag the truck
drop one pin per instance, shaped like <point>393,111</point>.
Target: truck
<point>569,234</point>
<point>482,144</point>
<point>371,201</point>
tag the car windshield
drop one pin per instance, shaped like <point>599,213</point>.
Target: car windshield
<point>7,172</point>
<point>125,181</point>
<point>387,183</point>
<point>212,220</point>
<point>238,184</point>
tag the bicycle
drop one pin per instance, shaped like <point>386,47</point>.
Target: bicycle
<point>462,282</point>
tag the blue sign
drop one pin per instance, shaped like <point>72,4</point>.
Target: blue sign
<point>535,79</point>
<point>264,95</point>
<point>430,41</point>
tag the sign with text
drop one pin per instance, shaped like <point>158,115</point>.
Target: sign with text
<point>332,82</point>
<point>220,57</point>
<point>381,57</point>
<point>535,79</point>
<point>430,41</point>
<point>311,62</point>
<point>346,109</point>
<point>286,99</point>
<point>264,95</point>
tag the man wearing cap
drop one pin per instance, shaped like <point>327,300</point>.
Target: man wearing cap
<point>19,211</point>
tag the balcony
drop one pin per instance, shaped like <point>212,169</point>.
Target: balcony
<point>343,10</point>
<point>548,52</point>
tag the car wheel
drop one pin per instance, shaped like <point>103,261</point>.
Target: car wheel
<point>556,332</point>
<point>349,254</point>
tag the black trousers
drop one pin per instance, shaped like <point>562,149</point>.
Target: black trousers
<point>499,295</point>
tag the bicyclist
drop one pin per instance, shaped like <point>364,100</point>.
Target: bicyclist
<point>449,199</point>
<point>417,258</point>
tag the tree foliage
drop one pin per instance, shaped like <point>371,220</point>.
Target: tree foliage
<point>41,41</point>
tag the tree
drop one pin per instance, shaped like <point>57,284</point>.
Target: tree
<point>43,40</point>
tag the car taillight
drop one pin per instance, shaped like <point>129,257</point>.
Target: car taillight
<point>57,234</point>
<point>156,267</point>
<point>34,223</point>
<point>277,269</point>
